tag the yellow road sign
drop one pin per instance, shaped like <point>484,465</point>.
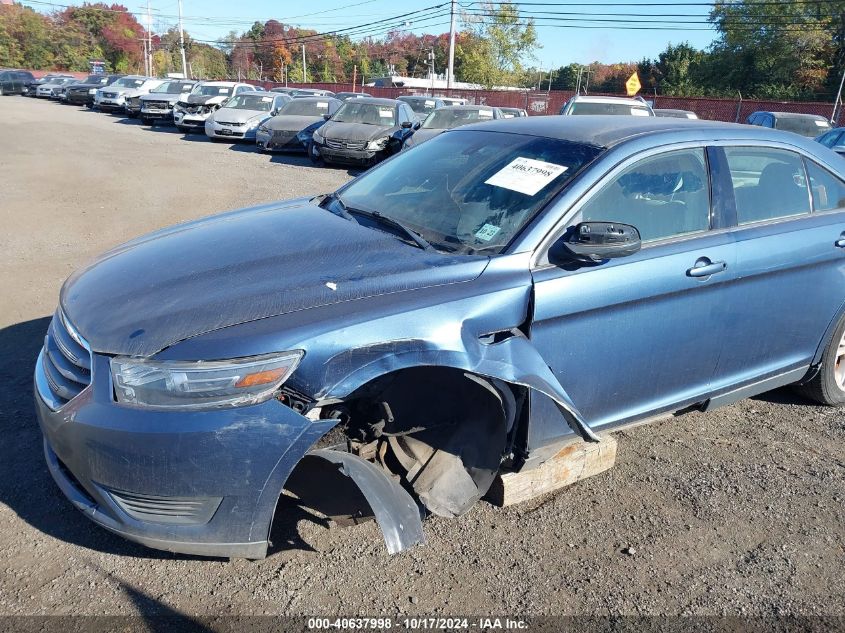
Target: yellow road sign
<point>633,85</point>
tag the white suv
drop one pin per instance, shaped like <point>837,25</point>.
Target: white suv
<point>583,104</point>
<point>114,96</point>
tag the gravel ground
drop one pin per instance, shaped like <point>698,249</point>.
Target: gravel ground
<point>738,511</point>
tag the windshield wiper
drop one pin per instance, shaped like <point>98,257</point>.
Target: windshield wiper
<point>343,211</point>
<point>338,209</point>
<point>418,239</point>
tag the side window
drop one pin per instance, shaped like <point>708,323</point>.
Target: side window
<point>768,183</point>
<point>830,139</point>
<point>753,119</point>
<point>663,196</point>
<point>828,190</point>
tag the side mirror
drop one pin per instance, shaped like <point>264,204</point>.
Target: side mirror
<point>326,117</point>
<point>597,241</point>
<point>406,125</point>
<point>417,125</point>
<point>274,111</point>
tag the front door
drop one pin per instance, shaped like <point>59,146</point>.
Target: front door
<point>641,334</point>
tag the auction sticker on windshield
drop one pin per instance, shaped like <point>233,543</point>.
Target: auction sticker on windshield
<point>525,175</point>
<point>385,114</point>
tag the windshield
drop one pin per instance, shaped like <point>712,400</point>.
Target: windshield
<point>609,108</point>
<point>303,107</point>
<point>211,91</point>
<point>172,88</point>
<point>805,126</point>
<point>128,82</point>
<point>368,113</point>
<point>422,105</point>
<point>469,190</point>
<point>250,102</point>
<point>93,79</point>
<point>446,119</point>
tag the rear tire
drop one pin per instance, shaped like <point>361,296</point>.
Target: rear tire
<point>828,385</point>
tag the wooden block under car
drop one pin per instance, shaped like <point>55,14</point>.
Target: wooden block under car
<point>575,461</point>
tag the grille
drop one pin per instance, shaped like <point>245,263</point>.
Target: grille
<point>283,135</point>
<point>110,95</point>
<point>157,105</point>
<point>231,124</point>
<point>333,144</point>
<point>174,510</point>
<point>66,360</point>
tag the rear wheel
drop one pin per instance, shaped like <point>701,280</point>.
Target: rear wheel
<point>828,385</point>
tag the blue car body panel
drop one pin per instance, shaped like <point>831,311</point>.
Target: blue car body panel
<point>592,346</point>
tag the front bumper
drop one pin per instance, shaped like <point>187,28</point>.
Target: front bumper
<point>158,114</point>
<point>200,482</point>
<point>364,157</point>
<point>80,98</point>
<point>280,141</point>
<point>187,120</point>
<point>231,132</point>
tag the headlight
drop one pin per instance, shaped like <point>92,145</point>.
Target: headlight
<point>251,124</point>
<point>92,91</point>
<point>379,143</point>
<point>201,384</point>
<point>317,137</point>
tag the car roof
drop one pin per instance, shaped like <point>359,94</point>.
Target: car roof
<point>377,101</point>
<point>609,130</point>
<point>601,99</point>
<point>259,93</point>
<point>791,115</point>
<point>423,97</point>
<point>220,83</point>
<point>467,106</point>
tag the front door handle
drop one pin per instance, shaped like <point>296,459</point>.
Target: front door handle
<point>704,268</point>
<point>840,243</point>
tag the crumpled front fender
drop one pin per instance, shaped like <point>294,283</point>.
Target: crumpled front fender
<point>509,357</point>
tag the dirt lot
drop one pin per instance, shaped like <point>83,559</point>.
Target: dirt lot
<point>739,511</point>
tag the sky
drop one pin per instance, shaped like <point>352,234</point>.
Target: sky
<point>566,38</point>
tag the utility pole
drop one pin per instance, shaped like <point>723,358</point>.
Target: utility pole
<point>838,97</point>
<point>150,69</point>
<point>355,77</point>
<point>451,70</point>
<point>182,44</point>
<point>304,70</point>
<point>431,67</point>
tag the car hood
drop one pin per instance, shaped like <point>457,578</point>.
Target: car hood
<point>423,134</point>
<point>354,131</point>
<point>236,115</point>
<point>204,99</point>
<point>291,122</point>
<point>157,290</point>
<point>86,86</point>
<point>161,96</point>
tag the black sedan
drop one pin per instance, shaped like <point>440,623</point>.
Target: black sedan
<point>83,92</point>
<point>363,132</point>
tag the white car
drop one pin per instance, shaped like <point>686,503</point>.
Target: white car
<point>190,112</point>
<point>584,104</point>
<point>114,96</point>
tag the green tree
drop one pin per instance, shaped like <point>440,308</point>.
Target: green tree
<point>501,42</point>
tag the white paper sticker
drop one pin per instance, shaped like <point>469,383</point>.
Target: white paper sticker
<point>525,175</point>
<point>323,105</point>
<point>485,114</point>
<point>266,99</point>
<point>821,123</point>
<point>639,112</point>
<point>430,102</point>
<point>486,232</point>
<point>222,91</point>
<point>386,114</point>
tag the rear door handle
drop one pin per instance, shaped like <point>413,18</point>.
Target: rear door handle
<point>840,243</point>
<point>704,268</point>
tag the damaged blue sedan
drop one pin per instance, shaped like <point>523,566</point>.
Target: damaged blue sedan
<point>459,311</point>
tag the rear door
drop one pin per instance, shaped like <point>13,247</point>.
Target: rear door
<point>640,334</point>
<point>790,262</point>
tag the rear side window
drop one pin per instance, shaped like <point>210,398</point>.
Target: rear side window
<point>830,139</point>
<point>768,183</point>
<point>663,196</point>
<point>828,190</point>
